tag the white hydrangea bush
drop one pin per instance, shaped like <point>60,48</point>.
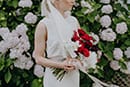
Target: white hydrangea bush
<point>17,42</point>
<point>113,31</point>
<point>107,21</point>
<point>25,3</point>
<point>30,18</point>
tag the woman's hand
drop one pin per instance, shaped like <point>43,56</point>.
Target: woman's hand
<point>77,63</point>
<point>71,64</point>
<point>67,64</point>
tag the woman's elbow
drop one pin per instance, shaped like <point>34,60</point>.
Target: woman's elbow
<point>38,61</point>
<point>37,58</point>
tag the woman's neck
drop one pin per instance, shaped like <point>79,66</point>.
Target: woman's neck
<point>60,10</point>
<point>62,13</point>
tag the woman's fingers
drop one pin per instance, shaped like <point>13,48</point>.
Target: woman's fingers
<point>69,68</point>
<point>71,64</point>
<point>77,60</point>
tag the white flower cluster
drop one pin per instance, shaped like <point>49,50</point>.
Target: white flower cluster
<point>107,9</point>
<point>123,4</point>
<point>127,52</point>
<point>105,1</point>
<point>105,21</point>
<point>38,71</point>
<point>18,12</point>
<point>115,65</point>
<point>127,71</point>
<point>30,18</point>
<point>9,40</point>
<point>95,37</point>
<point>97,17</point>
<point>121,28</point>
<point>23,62</point>
<point>91,61</point>
<point>119,14</point>
<point>118,53</point>
<point>88,6</point>
<point>108,35</point>
<point>25,3</point>
<point>18,44</point>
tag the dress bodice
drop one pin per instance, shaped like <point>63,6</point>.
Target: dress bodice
<point>55,47</point>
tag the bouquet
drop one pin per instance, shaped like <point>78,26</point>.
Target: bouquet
<point>82,47</point>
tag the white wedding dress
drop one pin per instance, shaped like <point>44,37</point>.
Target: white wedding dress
<point>56,52</point>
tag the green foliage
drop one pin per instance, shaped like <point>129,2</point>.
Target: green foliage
<point>11,76</point>
<point>88,22</point>
<point>36,83</point>
<point>8,76</point>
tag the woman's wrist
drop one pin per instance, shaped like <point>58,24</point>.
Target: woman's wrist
<point>60,65</point>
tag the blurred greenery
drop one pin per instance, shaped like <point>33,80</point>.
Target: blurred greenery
<point>11,76</point>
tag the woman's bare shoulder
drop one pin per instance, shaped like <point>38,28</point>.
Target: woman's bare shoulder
<point>41,27</point>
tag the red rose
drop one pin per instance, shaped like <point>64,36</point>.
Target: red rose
<point>83,51</point>
<point>75,37</point>
<point>86,37</point>
<point>81,32</point>
<point>81,41</point>
<point>89,43</point>
<point>86,53</point>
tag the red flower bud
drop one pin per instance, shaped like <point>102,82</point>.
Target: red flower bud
<point>75,37</point>
<point>81,32</point>
<point>89,43</point>
<point>83,51</point>
<point>86,37</point>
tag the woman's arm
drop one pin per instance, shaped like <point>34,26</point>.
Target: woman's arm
<point>39,49</point>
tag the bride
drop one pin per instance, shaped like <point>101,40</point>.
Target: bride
<point>52,32</point>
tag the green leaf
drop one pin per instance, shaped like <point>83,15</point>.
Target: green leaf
<point>97,6</point>
<point>109,55</point>
<point>108,73</point>
<point>117,6</point>
<point>83,10</point>
<point>2,16</point>
<point>1,2</point>
<point>124,36</point>
<point>123,65</point>
<point>36,83</point>
<point>8,76</point>
<point>25,75</point>
<point>127,42</point>
<point>101,46</point>
<point>3,23</point>
<point>123,47</point>
<point>15,3</point>
<point>91,16</point>
<point>100,73</point>
<point>8,62</point>
<point>2,61</point>
<point>103,62</point>
<point>79,14</point>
